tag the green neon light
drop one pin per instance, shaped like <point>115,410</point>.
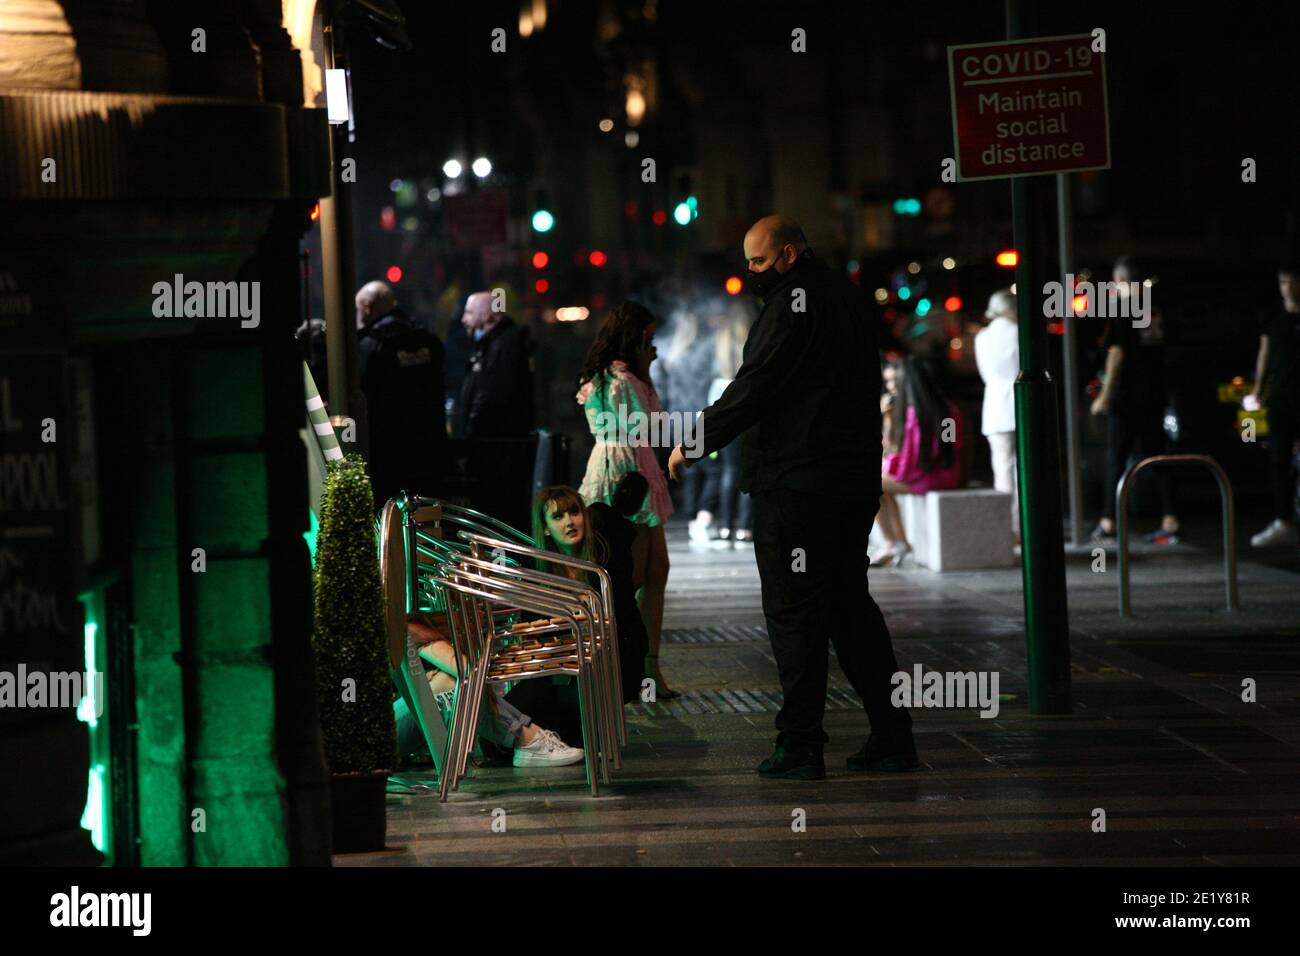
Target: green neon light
<point>310,536</point>
<point>92,817</point>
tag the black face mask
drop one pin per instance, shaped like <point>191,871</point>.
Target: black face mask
<point>763,283</point>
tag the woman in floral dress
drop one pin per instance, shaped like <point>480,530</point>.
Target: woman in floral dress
<point>618,400</point>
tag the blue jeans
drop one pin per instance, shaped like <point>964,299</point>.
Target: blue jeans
<point>501,727</point>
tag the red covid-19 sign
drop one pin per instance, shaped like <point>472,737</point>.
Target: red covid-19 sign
<point>1026,107</point>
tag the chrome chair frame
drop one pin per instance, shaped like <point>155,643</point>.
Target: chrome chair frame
<point>609,693</point>
<point>467,603</point>
<point>606,594</point>
<point>435,562</point>
<point>583,644</point>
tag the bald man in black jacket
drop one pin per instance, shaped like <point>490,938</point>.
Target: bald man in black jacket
<point>806,407</point>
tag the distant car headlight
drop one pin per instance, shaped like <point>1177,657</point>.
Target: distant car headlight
<point>1172,429</point>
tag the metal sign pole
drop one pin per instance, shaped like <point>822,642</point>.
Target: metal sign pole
<point>1047,627</point>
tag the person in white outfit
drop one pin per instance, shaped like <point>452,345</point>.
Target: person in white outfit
<point>997,356</point>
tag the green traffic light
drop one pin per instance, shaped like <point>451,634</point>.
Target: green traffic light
<point>543,221</point>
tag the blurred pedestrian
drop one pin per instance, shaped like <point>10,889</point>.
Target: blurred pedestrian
<point>997,356</point>
<point>804,401</point>
<point>401,366</point>
<point>734,506</point>
<point>311,342</point>
<point>1133,398</point>
<point>923,434</point>
<point>1277,372</point>
<point>617,397</point>
<point>497,393</point>
<point>685,369</point>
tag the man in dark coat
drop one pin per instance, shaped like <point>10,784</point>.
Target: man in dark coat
<point>402,369</point>
<point>805,404</point>
<point>497,396</point>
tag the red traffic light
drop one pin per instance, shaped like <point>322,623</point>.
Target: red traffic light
<point>540,259</point>
<point>541,285</point>
<point>394,274</point>
<point>659,217</point>
<point>597,258</point>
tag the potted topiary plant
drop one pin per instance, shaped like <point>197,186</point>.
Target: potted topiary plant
<point>348,637</point>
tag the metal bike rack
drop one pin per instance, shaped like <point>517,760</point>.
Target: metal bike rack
<point>1229,523</point>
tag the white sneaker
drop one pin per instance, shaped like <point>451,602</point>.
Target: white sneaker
<point>698,531</point>
<point>904,559</point>
<point>882,557</point>
<point>547,750</point>
<point>1275,535</point>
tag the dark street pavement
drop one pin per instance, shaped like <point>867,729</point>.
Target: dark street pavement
<point>1160,739</point>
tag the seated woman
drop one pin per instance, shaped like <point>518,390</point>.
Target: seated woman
<point>499,721</point>
<point>923,435</point>
<point>600,534</point>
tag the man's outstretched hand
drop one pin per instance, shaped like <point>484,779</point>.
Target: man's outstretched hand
<point>677,464</point>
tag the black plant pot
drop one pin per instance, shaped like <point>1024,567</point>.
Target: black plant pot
<point>358,810</point>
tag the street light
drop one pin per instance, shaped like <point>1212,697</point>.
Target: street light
<point>481,166</point>
<point>452,168</point>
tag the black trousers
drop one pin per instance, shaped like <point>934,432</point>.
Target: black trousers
<point>1282,434</point>
<point>700,488</point>
<point>1135,432</point>
<point>812,562</point>
<point>735,506</point>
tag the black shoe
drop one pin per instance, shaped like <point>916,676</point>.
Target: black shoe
<point>494,755</point>
<point>793,765</point>
<point>890,756</point>
<point>771,758</point>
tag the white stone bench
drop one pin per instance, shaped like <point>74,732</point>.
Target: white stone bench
<point>959,530</point>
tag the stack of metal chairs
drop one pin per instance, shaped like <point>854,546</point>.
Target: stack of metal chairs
<point>483,574</point>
